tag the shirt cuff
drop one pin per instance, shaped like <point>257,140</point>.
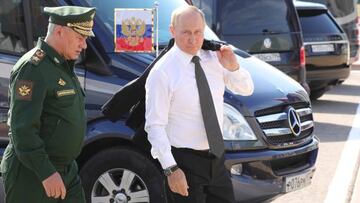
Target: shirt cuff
<point>167,160</point>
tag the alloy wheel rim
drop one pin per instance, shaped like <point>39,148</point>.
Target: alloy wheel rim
<point>119,186</point>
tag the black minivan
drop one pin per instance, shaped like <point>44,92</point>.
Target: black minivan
<point>326,46</point>
<point>267,29</point>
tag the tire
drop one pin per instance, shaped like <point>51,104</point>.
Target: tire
<point>122,175</point>
<point>316,94</point>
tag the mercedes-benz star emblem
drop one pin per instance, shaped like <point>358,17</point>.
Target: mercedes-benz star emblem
<point>267,43</point>
<point>294,121</point>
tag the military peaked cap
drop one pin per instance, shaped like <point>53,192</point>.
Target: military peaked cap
<point>80,19</point>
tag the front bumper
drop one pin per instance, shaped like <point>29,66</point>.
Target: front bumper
<point>264,171</point>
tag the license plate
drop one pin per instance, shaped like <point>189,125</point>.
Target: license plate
<point>322,48</point>
<point>297,182</point>
<point>270,57</point>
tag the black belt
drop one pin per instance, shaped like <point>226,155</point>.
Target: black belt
<point>203,153</point>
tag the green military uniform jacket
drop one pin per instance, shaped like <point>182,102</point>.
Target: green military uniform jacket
<point>47,114</point>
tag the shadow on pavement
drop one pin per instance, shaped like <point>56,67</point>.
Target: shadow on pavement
<point>355,66</point>
<point>334,107</point>
<point>330,132</point>
<point>345,89</point>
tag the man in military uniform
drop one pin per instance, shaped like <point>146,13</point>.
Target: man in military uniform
<point>47,115</point>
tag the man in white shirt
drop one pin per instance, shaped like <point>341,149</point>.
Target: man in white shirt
<point>177,127</point>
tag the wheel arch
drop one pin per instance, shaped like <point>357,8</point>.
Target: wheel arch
<point>103,134</point>
<point>100,143</point>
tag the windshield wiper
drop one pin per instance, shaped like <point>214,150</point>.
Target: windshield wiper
<point>269,32</point>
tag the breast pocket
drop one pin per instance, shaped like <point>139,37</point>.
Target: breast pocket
<point>65,97</point>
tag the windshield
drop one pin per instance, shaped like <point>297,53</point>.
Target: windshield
<point>317,22</point>
<point>250,17</point>
<point>105,10</point>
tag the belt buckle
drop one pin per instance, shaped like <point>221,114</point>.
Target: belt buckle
<point>206,152</point>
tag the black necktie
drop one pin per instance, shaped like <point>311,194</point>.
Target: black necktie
<point>211,123</point>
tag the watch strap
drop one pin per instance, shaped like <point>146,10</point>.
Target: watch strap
<point>169,170</point>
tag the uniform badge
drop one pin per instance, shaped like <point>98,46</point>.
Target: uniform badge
<point>24,89</point>
<point>37,57</point>
<point>39,53</point>
<point>61,82</point>
<point>62,93</point>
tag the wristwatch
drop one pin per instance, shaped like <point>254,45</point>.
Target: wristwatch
<point>169,170</point>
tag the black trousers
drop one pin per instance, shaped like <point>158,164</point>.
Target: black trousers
<point>206,175</point>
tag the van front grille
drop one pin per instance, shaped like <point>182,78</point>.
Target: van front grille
<point>281,128</point>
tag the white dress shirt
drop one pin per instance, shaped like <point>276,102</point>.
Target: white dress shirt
<point>173,113</point>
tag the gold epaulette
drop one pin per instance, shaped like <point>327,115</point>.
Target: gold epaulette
<point>37,57</point>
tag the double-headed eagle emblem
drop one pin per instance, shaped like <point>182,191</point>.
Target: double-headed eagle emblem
<point>134,30</point>
<point>24,90</point>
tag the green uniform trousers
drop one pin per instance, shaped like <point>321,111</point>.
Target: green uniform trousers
<point>23,186</point>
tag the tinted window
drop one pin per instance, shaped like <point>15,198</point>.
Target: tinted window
<point>207,6</point>
<point>39,28</point>
<point>12,27</point>
<point>315,22</point>
<point>254,16</point>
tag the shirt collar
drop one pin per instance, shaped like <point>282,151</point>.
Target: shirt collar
<point>50,52</point>
<point>54,55</point>
<point>183,56</point>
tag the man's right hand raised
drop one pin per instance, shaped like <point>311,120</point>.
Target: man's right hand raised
<point>54,186</point>
<point>177,182</point>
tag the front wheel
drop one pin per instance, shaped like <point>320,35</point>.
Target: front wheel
<point>122,175</point>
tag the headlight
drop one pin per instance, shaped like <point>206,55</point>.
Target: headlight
<point>235,126</point>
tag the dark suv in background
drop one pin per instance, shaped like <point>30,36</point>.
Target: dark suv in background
<point>346,15</point>
<point>267,29</point>
<point>326,46</point>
